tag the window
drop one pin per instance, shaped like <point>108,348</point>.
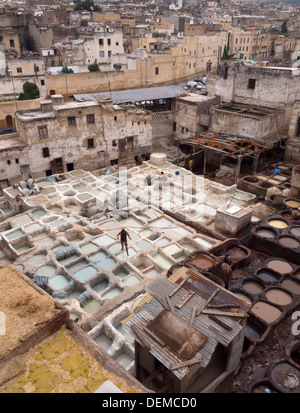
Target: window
<point>43,132</point>
<point>11,43</point>
<point>114,143</point>
<point>109,42</point>
<point>115,118</point>
<point>174,126</point>
<point>251,83</point>
<point>117,44</point>
<point>17,160</point>
<point>71,121</point>
<point>100,42</point>
<point>90,118</point>
<point>157,70</point>
<point>90,143</point>
<point>101,54</point>
<point>8,162</point>
<point>46,152</point>
<point>19,70</point>
<point>236,40</point>
<point>36,68</point>
<point>109,53</point>
<point>42,82</point>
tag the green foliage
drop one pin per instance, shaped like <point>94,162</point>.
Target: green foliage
<point>284,29</point>
<point>87,5</point>
<point>30,91</point>
<point>67,70</point>
<point>94,67</point>
<point>226,55</point>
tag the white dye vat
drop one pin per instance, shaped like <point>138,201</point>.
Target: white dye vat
<point>35,260</point>
<point>103,341</point>
<point>58,282</point>
<point>32,228</point>
<point>85,273</point>
<point>171,249</point>
<point>76,267</point>
<point>131,280</point>
<point>22,219</point>
<point>100,286</point>
<point>91,306</point>
<point>124,256</point>
<point>84,197</point>
<point>163,261</point>
<point>104,240</point>
<point>144,245</point>
<point>88,248</point>
<point>162,242</point>
<point>42,239</point>
<point>132,223</point>
<point>114,292</point>
<point>46,270</point>
<point>14,234</point>
<point>124,359</point>
<point>106,263</point>
<point>115,248</point>
<point>150,272</point>
<point>203,242</point>
<point>39,213</point>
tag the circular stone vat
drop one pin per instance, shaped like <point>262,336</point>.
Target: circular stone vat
<point>262,386</point>
<point>252,287</point>
<point>202,261</point>
<point>292,203</point>
<point>265,184</point>
<point>286,215</point>
<point>267,275</point>
<point>236,252</point>
<point>266,232</point>
<point>267,312</point>
<point>278,223</point>
<point>295,353</point>
<point>243,297</point>
<point>279,373</point>
<point>295,231</point>
<point>250,179</point>
<point>255,328</point>
<point>278,296</point>
<point>46,270</point>
<point>291,285</point>
<point>289,242</point>
<point>280,266</point>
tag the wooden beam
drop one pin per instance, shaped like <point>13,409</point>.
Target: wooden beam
<point>184,299</point>
<point>195,360</point>
<point>224,313</point>
<point>137,331</point>
<point>178,287</point>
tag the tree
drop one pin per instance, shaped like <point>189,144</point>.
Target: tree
<point>30,91</point>
<point>284,29</point>
<point>94,67</point>
<point>226,55</point>
<point>87,5</point>
<point>67,70</point>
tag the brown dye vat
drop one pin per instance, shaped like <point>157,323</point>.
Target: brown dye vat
<point>236,252</point>
<point>282,267</point>
<point>252,287</point>
<point>278,296</point>
<point>286,215</point>
<point>202,262</point>
<point>295,231</point>
<point>289,242</point>
<point>297,275</point>
<point>266,312</point>
<point>250,179</point>
<point>278,374</point>
<point>291,285</point>
<point>295,356</point>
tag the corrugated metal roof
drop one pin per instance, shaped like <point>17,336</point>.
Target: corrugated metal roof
<point>134,95</point>
<point>213,331</point>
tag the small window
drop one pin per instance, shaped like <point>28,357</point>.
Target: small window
<point>8,162</point>
<point>90,118</point>
<point>19,70</point>
<point>117,43</point>
<point>36,68</point>
<point>11,43</point>
<point>109,42</point>
<point>43,132</point>
<point>17,160</point>
<point>174,126</point>
<point>71,121</point>
<point>115,118</point>
<point>251,83</point>
<point>109,53</point>
<point>114,143</point>
<point>100,42</point>
<point>90,143</point>
<point>46,152</point>
<point>42,82</point>
<point>101,54</point>
<point>157,70</point>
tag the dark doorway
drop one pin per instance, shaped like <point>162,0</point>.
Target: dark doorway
<point>70,166</point>
<point>9,121</point>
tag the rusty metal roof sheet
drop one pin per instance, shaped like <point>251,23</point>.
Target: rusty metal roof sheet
<point>215,333</point>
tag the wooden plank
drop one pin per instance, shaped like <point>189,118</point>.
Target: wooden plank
<point>184,299</point>
<point>195,360</point>
<point>224,313</point>
<point>169,303</point>
<point>220,322</point>
<point>137,331</point>
<point>160,301</point>
<point>193,316</point>
<point>208,301</point>
<point>178,287</point>
<point>154,336</point>
<point>222,305</point>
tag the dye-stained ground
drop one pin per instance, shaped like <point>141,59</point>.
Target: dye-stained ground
<point>59,364</point>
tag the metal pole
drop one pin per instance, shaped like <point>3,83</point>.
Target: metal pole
<point>142,71</point>
<point>12,78</point>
